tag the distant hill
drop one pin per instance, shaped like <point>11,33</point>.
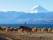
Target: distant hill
<point>30,18</point>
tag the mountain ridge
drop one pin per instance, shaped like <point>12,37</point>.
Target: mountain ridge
<point>21,17</point>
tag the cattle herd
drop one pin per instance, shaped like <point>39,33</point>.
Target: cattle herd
<point>7,29</point>
<point>26,29</point>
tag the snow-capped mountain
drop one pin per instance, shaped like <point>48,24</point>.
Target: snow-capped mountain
<point>39,9</point>
<point>38,15</point>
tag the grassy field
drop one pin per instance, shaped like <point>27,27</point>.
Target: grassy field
<point>14,35</point>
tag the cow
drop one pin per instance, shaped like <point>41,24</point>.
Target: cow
<point>34,29</point>
<point>49,30</point>
<point>25,29</point>
<point>44,30</point>
<point>39,30</point>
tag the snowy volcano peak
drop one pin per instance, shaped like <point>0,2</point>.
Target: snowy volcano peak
<point>39,9</point>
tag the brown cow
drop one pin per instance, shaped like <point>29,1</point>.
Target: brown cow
<point>11,29</point>
<point>49,30</point>
<point>34,29</point>
<point>15,29</point>
<point>39,30</point>
<point>44,30</point>
<point>4,28</point>
<point>8,29</point>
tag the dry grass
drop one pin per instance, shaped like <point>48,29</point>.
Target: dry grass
<point>20,35</point>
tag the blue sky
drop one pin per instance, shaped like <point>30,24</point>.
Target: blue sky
<point>24,5</point>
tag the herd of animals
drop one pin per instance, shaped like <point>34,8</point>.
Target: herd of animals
<point>26,29</point>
